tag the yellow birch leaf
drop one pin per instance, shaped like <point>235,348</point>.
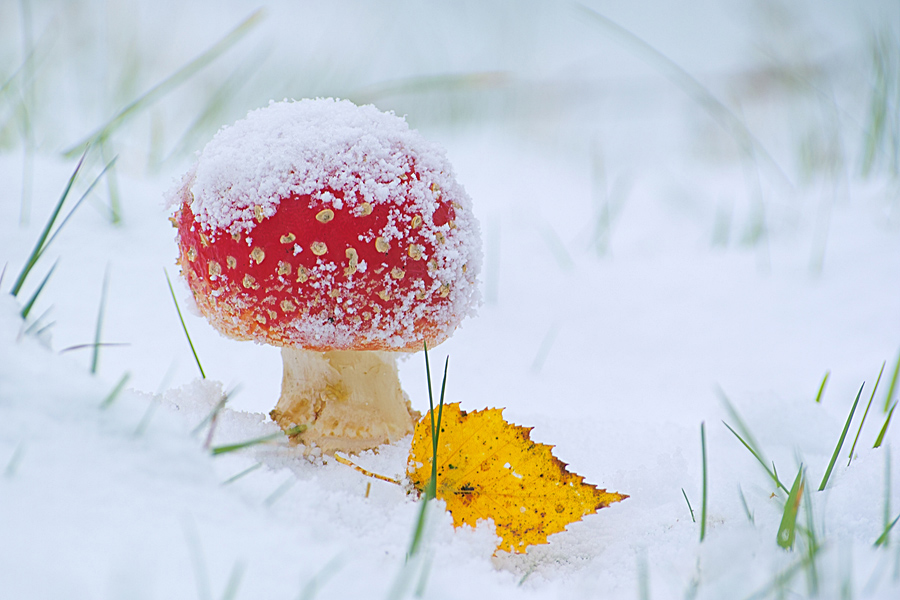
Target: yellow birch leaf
<point>490,469</point>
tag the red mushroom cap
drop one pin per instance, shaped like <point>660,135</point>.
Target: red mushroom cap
<point>327,226</point>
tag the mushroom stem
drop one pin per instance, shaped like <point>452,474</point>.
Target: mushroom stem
<point>350,401</point>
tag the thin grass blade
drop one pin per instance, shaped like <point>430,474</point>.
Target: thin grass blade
<point>822,387</point>
<point>279,492</point>
<point>746,506</point>
<point>14,461</point>
<point>38,323</point>
<point>144,423</point>
<point>183,326</point>
<point>38,248</point>
<point>79,203</point>
<point>837,449</point>
<point>312,587</point>
<point>692,87</point>
<point>216,409</point>
<point>893,387</point>
<point>884,427</point>
<point>111,397</point>
<point>234,581</point>
<point>423,575</point>
<point>450,82</point>
<point>812,547</point>
<point>95,358</point>
<point>883,538</point>
<point>544,349</point>
<point>30,304</point>
<point>112,185</point>
<point>246,471</point>
<point>865,414</point>
<point>217,450</point>
<point>201,575</point>
<point>787,531</point>
<point>212,114</point>
<point>887,491</point>
<point>748,440</point>
<point>170,83</point>
<point>703,509</point>
<point>431,488</point>
<point>771,472</point>
<point>643,577</point>
<point>693,520</point>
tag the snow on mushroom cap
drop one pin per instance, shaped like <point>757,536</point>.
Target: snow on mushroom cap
<point>329,226</point>
<point>301,148</point>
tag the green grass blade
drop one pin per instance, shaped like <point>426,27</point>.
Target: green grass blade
<point>201,574</point>
<point>703,506</point>
<point>14,461</point>
<point>111,397</point>
<point>643,576</point>
<point>418,530</point>
<point>168,84</point>
<point>431,488</point>
<point>887,492</point>
<point>246,471</point>
<point>812,547</point>
<point>746,507</point>
<point>893,387</point>
<point>557,248</point>
<point>773,474</point>
<point>690,86</point>
<point>216,409</point>
<point>883,538</point>
<point>748,440</point>
<point>77,204</point>
<point>38,323</point>
<point>213,114</point>
<point>423,575</point>
<point>693,520</point>
<point>38,248</point>
<point>217,450</point>
<point>837,449</point>
<point>144,423</point>
<point>183,326</point>
<point>544,349</point>
<point>784,577</point>
<point>884,427</point>
<point>30,304</point>
<point>112,186</point>
<point>280,491</point>
<point>787,531</point>
<point>437,431</point>
<point>95,359</point>
<point>822,387</point>
<point>234,581</point>
<point>44,329</point>
<point>312,587</point>
<point>865,414</point>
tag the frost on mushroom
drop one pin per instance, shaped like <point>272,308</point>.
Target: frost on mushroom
<point>339,234</point>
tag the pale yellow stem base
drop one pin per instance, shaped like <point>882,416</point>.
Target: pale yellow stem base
<point>349,401</point>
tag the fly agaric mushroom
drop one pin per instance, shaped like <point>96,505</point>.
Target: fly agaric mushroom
<point>340,235</point>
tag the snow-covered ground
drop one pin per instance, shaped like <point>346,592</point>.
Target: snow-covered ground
<point>647,251</point>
